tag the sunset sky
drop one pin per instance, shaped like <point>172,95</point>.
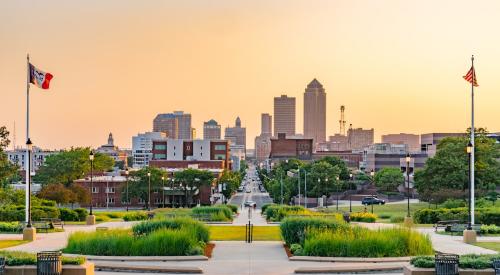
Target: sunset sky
<point>397,66</point>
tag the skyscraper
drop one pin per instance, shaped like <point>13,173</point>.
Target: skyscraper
<point>359,138</point>
<point>176,125</point>
<point>284,115</point>
<point>315,112</point>
<point>266,124</point>
<point>237,134</point>
<point>211,130</point>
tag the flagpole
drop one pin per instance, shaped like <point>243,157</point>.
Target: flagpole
<point>27,160</point>
<point>472,142</point>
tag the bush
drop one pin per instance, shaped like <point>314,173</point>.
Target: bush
<point>397,219</point>
<point>483,215</point>
<point>296,249</point>
<point>363,217</point>
<point>453,203</point>
<point>490,229</point>
<point>265,206</point>
<point>12,213</point>
<point>11,227</point>
<point>119,242</point>
<point>234,208</point>
<point>82,213</point>
<point>277,213</point>
<point>293,229</point>
<point>385,216</point>
<point>16,258</point>
<point>68,214</point>
<point>135,216</point>
<point>470,261</point>
<point>214,211</point>
<point>103,218</point>
<point>43,212</point>
<point>362,242</point>
<point>145,228</point>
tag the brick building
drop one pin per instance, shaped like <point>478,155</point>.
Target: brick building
<point>285,148</point>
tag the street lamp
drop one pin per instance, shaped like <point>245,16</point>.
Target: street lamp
<point>338,185</point>
<point>350,194</point>
<point>29,145</point>
<point>126,176</point>
<point>163,190</point>
<point>172,190</point>
<point>149,191</point>
<point>281,185</point>
<point>469,154</point>
<point>408,159</point>
<point>91,158</point>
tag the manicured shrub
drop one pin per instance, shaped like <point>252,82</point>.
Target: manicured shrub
<point>453,203</point>
<point>265,206</point>
<point>362,242</point>
<point>293,229</point>
<point>470,261</point>
<point>385,216</point>
<point>68,214</point>
<point>16,258</point>
<point>199,229</point>
<point>10,227</point>
<point>135,216</point>
<point>102,218</point>
<point>234,208</point>
<point>363,217</point>
<point>483,215</point>
<point>490,229</point>
<point>82,213</point>
<point>211,210</point>
<point>296,249</point>
<point>11,213</point>
<point>277,213</point>
<point>44,212</point>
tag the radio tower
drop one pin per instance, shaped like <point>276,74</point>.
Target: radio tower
<point>342,120</point>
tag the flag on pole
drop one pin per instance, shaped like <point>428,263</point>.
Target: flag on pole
<point>40,78</point>
<point>471,77</point>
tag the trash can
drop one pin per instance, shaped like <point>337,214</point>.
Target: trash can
<point>446,264</point>
<point>2,265</point>
<point>496,266</point>
<point>49,263</point>
<point>347,217</point>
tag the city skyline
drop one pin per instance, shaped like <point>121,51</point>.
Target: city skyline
<point>116,73</point>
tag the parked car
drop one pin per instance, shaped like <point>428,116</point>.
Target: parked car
<point>372,200</point>
<point>240,189</point>
<point>248,190</point>
<point>250,204</point>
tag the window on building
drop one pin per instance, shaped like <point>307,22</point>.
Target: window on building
<point>220,157</point>
<point>110,200</point>
<point>220,147</point>
<point>95,189</point>
<point>110,190</point>
<point>160,156</point>
<point>142,201</point>
<point>160,146</point>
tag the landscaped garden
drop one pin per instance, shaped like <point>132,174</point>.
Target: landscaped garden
<point>9,243</point>
<point>276,213</point>
<point>161,237</point>
<point>471,261</point>
<point>237,233</point>
<point>215,213</point>
<point>332,237</point>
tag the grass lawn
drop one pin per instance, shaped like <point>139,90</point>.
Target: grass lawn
<point>237,233</point>
<point>386,211</point>
<point>489,245</point>
<point>9,243</point>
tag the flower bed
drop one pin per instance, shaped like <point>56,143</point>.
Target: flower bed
<point>174,237</point>
<point>363,217</point>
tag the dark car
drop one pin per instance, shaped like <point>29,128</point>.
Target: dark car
<point>250,204</point>
<point>372,200</point>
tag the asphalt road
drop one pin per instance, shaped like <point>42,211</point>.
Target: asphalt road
<point>251,182</point>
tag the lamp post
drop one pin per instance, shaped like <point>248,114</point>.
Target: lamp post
<point>350,195</point>
<point>281,186</point>
<point>408,159</point>
<point>305,189</point>
<point>172,190</point>
<point>469,216</point>
<point>163,190</point>
<point>338,185</point>
<point>90,220</point>
<point>126,176</point>
<point>29,145</point>
<point>149,191</point>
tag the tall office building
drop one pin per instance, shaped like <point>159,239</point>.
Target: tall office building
<point>315,112</point>
<point>358,139</point>
<point>284,115</point>
<point>211,130</point>
<point>266,124</point>
<point>176,125</point>
<point>142,147</point>
<point>237,135</point>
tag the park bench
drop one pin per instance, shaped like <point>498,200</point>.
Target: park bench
<point>2,265</point>
<point>496,266</point>
<point>459,228</point>
<point>444,224</point>
<point>42,225</point>
<point>151,215</point>
<point>53,222</point>
<point>201,217</point>
<point>101,228</point>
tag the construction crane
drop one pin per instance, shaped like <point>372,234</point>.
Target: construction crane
<point>342,120</point>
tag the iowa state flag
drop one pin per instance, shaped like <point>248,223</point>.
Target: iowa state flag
<point>40,78</point>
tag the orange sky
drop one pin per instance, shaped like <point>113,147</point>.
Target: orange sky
<point>395,65</point>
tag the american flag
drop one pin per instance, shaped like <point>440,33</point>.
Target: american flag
<point>471,77</point>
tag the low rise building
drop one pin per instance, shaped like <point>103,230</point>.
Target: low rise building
<point>39,156</point>
<point>352,159</point>
<point>285,148</point>
<point>142,147</point>
<point>429,142</point>
<point>413,141</point>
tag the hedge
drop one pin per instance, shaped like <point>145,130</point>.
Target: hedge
<point>12,213</point>
<point>482,215</point>
<point>363,217</point>
<point>293,229</point>
<point>471,261</point>
<point>16,258</point>
<point>181,223</point>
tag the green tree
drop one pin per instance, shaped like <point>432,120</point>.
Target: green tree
<point>448,169</point>
<point>192,180</point>
<point>232,181</point>
<point>8,171</point>
<point>337,162</point>
<point>57,192</point>
<point>322,178</point>
<point>139,183</point>
<point>67,166</point>
<point>389,178</point>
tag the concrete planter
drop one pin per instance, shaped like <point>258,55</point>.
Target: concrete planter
<point>411,270</point>
<point>84,269</point>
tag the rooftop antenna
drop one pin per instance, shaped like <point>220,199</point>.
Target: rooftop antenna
<point>14,136</point>
<point>349,136</point>
<point>342,120</point>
